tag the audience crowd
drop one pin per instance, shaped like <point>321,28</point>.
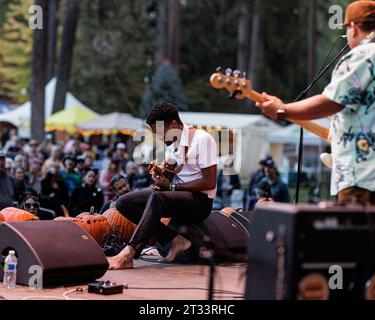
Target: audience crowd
<point>79,176</point>
<point>75,175</point>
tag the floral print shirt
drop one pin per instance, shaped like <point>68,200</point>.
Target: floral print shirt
<point>353,128</point>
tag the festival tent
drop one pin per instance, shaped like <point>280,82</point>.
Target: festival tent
<point>113,123</point>
<point>291,134</point>
<point>288,138</point>
<point>68,119</point>
<point>21,116</point>
<point>250,135</point>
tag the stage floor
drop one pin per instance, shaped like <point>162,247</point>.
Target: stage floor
<point>151,281</point>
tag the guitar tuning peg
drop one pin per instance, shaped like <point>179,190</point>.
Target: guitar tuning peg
<point>219,70</point>
<point>228,72</point>
<point>244,74</point>
<point>237,73</point>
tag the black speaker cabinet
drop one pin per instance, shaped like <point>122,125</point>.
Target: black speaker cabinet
<point>295,250</point>
<point>66,253</point>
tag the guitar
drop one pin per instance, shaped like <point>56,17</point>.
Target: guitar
<point>239,87</point>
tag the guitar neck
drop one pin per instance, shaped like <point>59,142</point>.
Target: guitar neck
<point>311,126</point>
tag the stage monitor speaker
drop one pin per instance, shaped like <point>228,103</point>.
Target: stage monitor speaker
<point>224,232</point>
<point>298,253</point>
<point>66,253</point>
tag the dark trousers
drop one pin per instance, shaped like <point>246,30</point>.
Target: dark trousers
<point>146,208</point>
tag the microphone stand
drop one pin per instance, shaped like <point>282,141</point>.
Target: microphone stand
<point>300,97</point>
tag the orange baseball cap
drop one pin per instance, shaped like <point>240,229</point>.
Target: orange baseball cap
<point>360,11</point>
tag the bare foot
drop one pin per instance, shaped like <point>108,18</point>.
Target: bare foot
<point>124,260</point>
<point>178,246</point>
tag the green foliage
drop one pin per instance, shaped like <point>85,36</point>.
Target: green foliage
<point>16,48</point>
<point>114,45</point>
<point>165,85</point>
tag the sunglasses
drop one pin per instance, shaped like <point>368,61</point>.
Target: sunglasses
<point>34,205</point>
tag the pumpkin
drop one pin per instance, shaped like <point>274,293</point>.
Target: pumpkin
<point>118,222</point>
<point>17,215</point>
<point>66,216</point>
<point>95,224</point>
<point>2,219</point>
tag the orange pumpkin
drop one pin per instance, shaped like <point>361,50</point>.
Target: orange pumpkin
<point>17,215</point>
<point>66,216</point>
<point>2,219</point>
<point>95,224</point>
<point>118,222</point>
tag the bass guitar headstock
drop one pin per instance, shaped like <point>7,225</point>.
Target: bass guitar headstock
<point>234,82</point>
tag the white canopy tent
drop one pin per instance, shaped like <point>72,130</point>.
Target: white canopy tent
<point>250,135</point>
<point>21,117</point>
<point>290,136</point>
<point>113,121</point>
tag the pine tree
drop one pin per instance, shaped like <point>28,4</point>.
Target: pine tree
<point>115,45</point>
<point>166,86</point>
<point>15,54</point>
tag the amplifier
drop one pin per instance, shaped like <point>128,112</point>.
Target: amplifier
<point>311,253</point>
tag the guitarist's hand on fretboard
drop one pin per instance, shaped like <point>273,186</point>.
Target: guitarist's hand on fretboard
<point>270,106</point>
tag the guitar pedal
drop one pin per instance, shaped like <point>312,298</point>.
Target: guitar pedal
<point>105,287</point>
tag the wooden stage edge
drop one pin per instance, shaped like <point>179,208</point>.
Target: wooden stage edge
<point>150,281</point>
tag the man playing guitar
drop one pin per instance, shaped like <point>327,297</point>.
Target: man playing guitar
<point>187,199</point>
<point>350,99</point>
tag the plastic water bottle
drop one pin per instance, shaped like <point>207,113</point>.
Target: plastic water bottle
<point>10,270</point>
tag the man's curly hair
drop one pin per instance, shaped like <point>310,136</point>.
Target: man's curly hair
<point>166,112</point>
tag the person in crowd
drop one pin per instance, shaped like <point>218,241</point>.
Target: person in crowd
<point>54,158</point>
<point>34,154</point>
<point>131,172</point>
<point>35,175</point>
<point>54,191</point>
<point>12,147</point>
<point>119,186</point>
<point>87,195</point>
<point>106,176</point>
<point>142,178</point>
<point>22,187</point>
<point>20,162</point>
<point>30,204</point>
<point>227,182</point>
<point>47,146</point>
<point>9,166</point>
<point>72,179</point>
<point>271,186</point>
<point>108,155</point>
<point>81,167</point>
<point>8,136</point>
<point>89,160</point>
<point>73,146</point>
<point>121,153</point>
<point>255,178</point>
<point>7,185</point>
